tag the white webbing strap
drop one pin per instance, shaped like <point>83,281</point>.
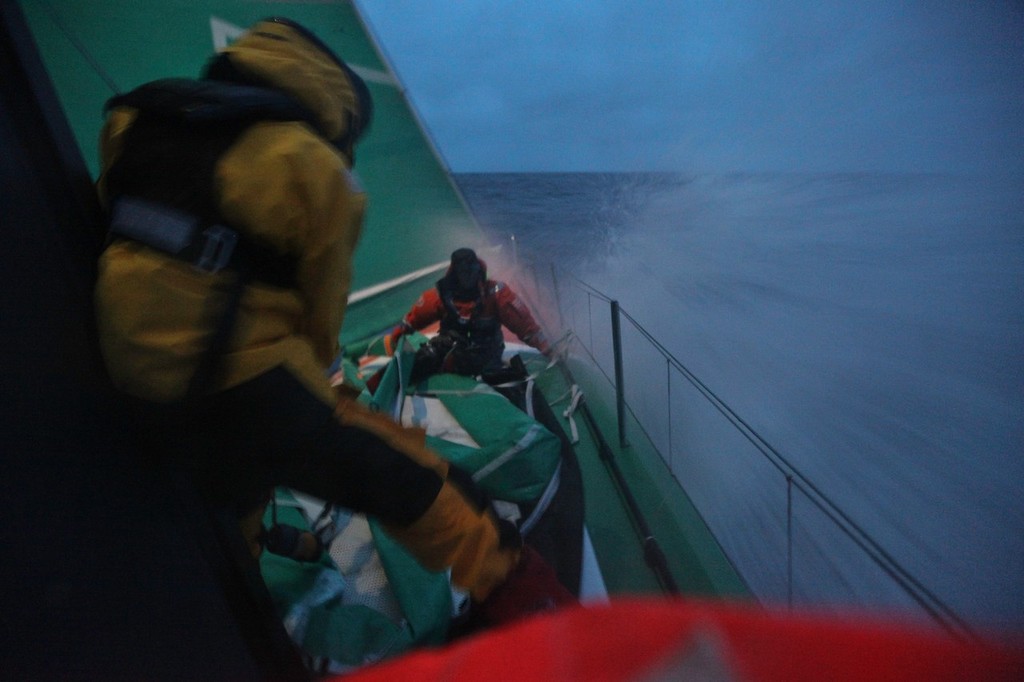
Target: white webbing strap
<point>544,502</point>
<point>574,402</point>
<point>525,442</point>
<point>529,397</point>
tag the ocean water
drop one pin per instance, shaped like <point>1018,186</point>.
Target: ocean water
<point>870,327</point>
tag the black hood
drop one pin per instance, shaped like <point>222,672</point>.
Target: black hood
<point>465,276</point>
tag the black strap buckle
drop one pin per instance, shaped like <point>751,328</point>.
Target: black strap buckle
<point>217,249</point>
<point>175,233</point>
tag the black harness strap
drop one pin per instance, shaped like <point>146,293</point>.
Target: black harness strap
<point>478,328</point>
<point>210,363</point>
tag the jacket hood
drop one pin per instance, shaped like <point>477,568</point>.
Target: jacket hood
<point>287,57</point>
<point>465,277</point>
<point>465,255</point>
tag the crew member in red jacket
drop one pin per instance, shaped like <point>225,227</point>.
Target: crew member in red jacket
<point>472,310</point>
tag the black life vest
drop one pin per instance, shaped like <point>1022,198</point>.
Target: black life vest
<point>164,179</point>
<point>164,194</point>
<point>479,329</point>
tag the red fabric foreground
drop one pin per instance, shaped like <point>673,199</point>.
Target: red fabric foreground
<point>678,640</point>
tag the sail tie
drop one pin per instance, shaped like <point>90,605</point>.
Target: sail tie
<point>544,502</point>
<point>570,411</point>
<point>525,442</point>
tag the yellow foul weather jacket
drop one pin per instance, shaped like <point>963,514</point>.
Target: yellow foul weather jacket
<point>286,185</point>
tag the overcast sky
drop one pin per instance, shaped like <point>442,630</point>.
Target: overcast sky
<point>714,85</point>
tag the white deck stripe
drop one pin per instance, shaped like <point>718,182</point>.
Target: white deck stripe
<point>524,442</point>
<point>374,76</point>
<point>369,292</point>
<point>592,587</point>
<point>224,32</point>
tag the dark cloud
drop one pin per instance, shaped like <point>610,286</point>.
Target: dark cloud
<point>616,85</point>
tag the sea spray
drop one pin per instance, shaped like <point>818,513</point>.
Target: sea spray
<point>869,327</point>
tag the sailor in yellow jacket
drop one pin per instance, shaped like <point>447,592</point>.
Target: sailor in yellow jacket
<point>251,163</point>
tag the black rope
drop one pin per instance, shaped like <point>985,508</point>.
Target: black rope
<point>654,557</point>
<point>225,308</point>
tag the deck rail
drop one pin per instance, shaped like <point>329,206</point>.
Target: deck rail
<point>692,428</point>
